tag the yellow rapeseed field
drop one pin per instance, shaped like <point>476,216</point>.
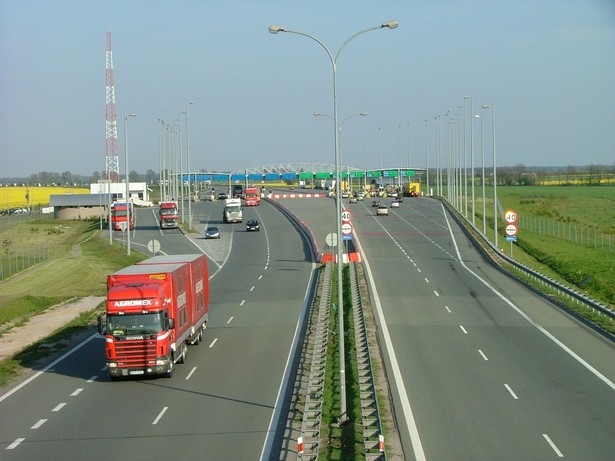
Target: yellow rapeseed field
<point>39,196</point>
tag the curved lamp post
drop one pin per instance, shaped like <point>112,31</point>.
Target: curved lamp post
<point>338,217</point>
<point>132,114</point>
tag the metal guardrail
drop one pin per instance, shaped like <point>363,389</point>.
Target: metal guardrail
<point>373,438</point>
<point>308,442</point>
<point>559,287</point>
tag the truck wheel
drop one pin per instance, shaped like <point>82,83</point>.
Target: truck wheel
<point>182,358</point>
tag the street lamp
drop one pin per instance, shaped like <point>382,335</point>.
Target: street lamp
<point>188,155</point>
<point>472,154</point>
<point>495,185</point>
<point>482,180</point>
<point>128,211</point>
<point>338,217</point>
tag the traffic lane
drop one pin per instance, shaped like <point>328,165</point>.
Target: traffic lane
<point>592,347</point>
<point>418,316</point>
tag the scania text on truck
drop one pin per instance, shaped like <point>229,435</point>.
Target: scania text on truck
<point>119,215</point>
<point>232,210</point>
<point>253,196</point>
<point>168,215</point>
<point>154,309</point>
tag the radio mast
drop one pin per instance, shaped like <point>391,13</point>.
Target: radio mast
<point>111,147</point>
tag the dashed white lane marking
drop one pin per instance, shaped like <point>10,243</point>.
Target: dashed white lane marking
<point>553,446</point>
<point>191,372</point>
<point>483,355</point>
<point>77,392</point>
<point>39,423</point>
<point>59,406</point>
<point>14,445</point>
<point>508,388</point>
<point>164,410</point>
<point>252,289</point>
<point>213,342</point>
<point>436,293</point>
<point>92,379</point>
<point>448,309</point>
<point>463,329</point>
<point>230,320</point>
<point>242,302</point>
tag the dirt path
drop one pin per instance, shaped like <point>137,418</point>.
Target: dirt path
<point>42,325</point>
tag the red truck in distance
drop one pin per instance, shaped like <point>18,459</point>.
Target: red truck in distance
<point>119,215</point>
<point>168,215</point>
<point>154,310</point>
<point>252,196</point>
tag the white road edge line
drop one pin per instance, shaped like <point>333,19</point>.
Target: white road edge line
<point>51,365</point>
<point>533,322</point>
<point>413,430</point>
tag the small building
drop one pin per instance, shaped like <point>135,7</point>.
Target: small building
<point>79,206</point>
<point>137,190</point>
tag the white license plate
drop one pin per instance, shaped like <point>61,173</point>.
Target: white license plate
<point>136,372</point>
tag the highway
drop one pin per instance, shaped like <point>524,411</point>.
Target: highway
<point>481,367</point>
<point>223,403</point>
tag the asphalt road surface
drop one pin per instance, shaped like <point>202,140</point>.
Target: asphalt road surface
<point>223,403</point>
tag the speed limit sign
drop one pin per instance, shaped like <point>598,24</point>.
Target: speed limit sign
<point>511,216</point>
<point>346,216</point>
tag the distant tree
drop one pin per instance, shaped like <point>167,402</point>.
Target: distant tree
<point>95,177</point>
<point>594,174</point>
<point>151,176</point>
<point>45,177</point>
<point>541,175</point>
<point>520,170</point>
<point>571,174</point>
<point>56,178</point>
<point>67,177</point>
<point>133,176</point>
<point>34,180</point>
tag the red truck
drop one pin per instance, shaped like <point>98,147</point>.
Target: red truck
<point>119,213</point>
<point>168,215</point>
<point>154,310</point>
<point>253,196</point>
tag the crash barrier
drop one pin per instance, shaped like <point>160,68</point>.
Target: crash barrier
<point>373,438</point>
<point>308,441</point>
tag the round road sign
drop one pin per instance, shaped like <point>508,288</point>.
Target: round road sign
<point>346,216</point>
<point>346,228</point>
<point>153,246</point>
<point>511,230</point>
<point>511,216</point>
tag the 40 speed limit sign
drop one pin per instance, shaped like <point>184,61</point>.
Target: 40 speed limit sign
<point>511,216</point>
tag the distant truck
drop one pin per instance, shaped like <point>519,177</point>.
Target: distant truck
<point>252,196</point>
<point>237,191</point>
<point>232,210</point>
<point>154,310</point>
<point>412,189</point>
<point>168,215</point>
<point>119,215</point>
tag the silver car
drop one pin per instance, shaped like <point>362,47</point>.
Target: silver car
<point>212,233</point>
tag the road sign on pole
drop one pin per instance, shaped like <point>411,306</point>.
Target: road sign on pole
<point>346,228</point>
<point>346,216</point>
<point>511,216</point>
<point>511,230</point>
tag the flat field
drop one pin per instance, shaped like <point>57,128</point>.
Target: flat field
<point>11,197</point>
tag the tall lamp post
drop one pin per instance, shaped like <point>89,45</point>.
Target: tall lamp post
<point>188,166</point>
<point>482,177</point>
<point>338,200</point>
<point>128,211</point>
<point>472,154</point>
<point>495,182</point>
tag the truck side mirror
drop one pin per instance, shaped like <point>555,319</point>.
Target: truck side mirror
<point>101,325</point>
<point>171,324</point>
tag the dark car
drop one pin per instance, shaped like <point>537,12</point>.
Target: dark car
<point>376,203</point>
<point>221,196</point>
<point>212,233</point>
<point>252,225</point>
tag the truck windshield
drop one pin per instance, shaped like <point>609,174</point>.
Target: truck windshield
<point>168,211</point>
<point>119,325</point>
<point>119,212</point>
<point>233,209</point>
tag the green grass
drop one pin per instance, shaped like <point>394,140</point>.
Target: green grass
<point>69,274</point>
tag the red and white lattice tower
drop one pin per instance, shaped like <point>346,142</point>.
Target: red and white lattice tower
<point>111,148</point>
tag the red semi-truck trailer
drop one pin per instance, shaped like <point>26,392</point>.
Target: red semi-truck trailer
<point>168,214</point>
<point>154,310</point>
<point>253,196</point>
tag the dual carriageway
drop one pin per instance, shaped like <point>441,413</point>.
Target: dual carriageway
<point>479,366</point>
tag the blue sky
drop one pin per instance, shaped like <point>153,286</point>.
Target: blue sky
<point>548,66</point>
